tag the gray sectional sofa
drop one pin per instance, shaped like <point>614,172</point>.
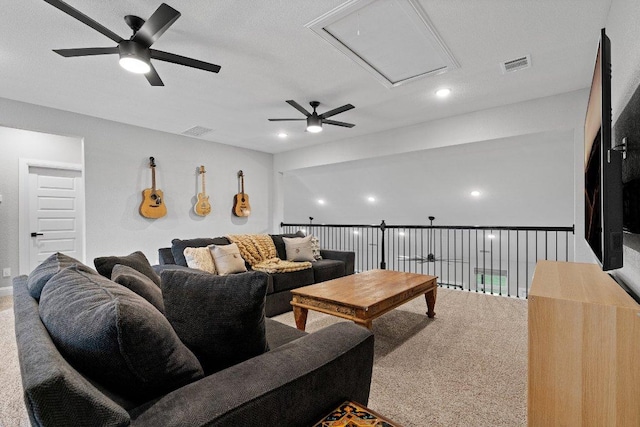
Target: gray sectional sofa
<point>296,379</point>
<point>333,264</point>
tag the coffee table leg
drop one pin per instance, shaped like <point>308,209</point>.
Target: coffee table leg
<point>300,314</point>
<point>431,302</point>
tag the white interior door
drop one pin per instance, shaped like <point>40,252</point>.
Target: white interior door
<point>55,212</point>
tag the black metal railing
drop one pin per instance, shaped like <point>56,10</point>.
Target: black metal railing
<point>492,259</point>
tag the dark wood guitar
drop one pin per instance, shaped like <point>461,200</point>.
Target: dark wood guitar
<point>202,206</point>
<point>241,205</point>
<point>152,205</point>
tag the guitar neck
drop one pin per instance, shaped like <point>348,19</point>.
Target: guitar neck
<point>204,191</point>
<point>242,183</point>
<point>153,179</point>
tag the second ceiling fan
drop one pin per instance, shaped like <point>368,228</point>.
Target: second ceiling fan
<point>315,120</point>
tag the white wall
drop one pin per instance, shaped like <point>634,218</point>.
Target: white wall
<point>117,170</point>
<point>523,180</point>
<point>624,32</point>
<point>560,115</point>
<point>16,144</point>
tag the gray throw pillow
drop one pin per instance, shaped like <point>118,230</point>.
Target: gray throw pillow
<point>220,318</point>
<point>48,268</point>
<point>299,248</point>
<point>114,336</point>
<point>138,283</point>
<point>136,260</point>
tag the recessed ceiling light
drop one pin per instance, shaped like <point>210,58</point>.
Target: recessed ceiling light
<point>491,236</point>
<point>282,135</point>
<point>475,193</point>
<point>321,201</point>
<point>401,233</point>
<point>371,199</point>
<point>356,232</point>
<point>443,93</point>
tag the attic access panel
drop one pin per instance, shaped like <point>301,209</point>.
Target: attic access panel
<point>392,39</point>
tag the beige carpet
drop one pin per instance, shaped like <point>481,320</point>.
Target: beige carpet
<point>467,367</point>
<point>12,411</point>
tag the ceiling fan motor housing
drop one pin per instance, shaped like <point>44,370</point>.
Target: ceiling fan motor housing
<point>131,49</point>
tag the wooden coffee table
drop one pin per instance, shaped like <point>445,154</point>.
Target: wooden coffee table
<point>364,296</point>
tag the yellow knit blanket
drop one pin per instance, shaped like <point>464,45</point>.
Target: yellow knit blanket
<point>260,252</point>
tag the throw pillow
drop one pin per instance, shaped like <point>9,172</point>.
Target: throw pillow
<point>220,318</point>
<point>200,258</point>
<point>299,248</point>
<point>114,336</point>
<point>315,248</point>
<point>178,246</point>
<point>227,259</point>
<point>136,260</point>
<point>48,268</point>
<point>279,243</point>
<point>138,283</point>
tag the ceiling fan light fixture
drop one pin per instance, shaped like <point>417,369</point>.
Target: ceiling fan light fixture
<point>314,124</point>
<point>134,57</point>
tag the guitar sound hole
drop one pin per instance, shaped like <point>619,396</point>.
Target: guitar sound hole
<point>154,196</point>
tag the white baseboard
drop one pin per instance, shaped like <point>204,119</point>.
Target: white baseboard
<point>6,291</point>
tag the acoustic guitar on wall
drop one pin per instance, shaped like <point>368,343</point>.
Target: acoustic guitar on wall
<point>202,206</point>
<point>152,205</point>
<point>241,205</point>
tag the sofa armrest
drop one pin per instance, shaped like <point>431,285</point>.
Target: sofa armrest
<point>292,385</point>
<point>349,258</point>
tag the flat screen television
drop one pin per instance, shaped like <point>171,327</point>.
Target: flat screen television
<point>603,168</point>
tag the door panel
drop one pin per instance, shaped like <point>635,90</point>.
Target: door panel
<point>54,213</point>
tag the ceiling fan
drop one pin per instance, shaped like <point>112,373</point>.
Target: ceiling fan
<point>431,245</point>
<point>315,120</point>
<point>135,53</point>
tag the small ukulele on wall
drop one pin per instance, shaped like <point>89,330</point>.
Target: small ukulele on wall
<point>202,206</point>
<point>241,205</point>
<point>152,205</point>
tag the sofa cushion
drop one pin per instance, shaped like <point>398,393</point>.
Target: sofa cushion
<point>49,268</point>
<point>137,260</point>
<point>200,259</point>
<point>220,318</point>
<point>292,280</point>
<point>178,246</point>
<point>279,243</point>
<point>115,336</point>
<point>298,248</point>
<point>138,283</point>
<point>227,259</point>
<point>327,269</point>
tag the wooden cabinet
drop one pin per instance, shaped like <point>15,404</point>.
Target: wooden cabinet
<point>584,348</point>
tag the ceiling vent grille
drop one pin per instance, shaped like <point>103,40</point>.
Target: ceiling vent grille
<point>516,64</point>
<point>196,131</point>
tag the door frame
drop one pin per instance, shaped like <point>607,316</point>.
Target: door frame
<point>23,205</point>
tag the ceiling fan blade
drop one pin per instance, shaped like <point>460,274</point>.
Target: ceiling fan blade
<point>335,111</point>
<point>84,19</point>
<point>86,51</point>
<point>183,60</point>
<point>283,120</point>
<point>336,123</point>
<point>153,77</point>
<point>298,107</point>
<point>156,25</point>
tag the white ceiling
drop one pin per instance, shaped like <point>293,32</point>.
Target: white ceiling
<point>268,56</point>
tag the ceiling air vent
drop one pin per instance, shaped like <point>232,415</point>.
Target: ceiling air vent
<point>196,131</point>
<point>516,64</point>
